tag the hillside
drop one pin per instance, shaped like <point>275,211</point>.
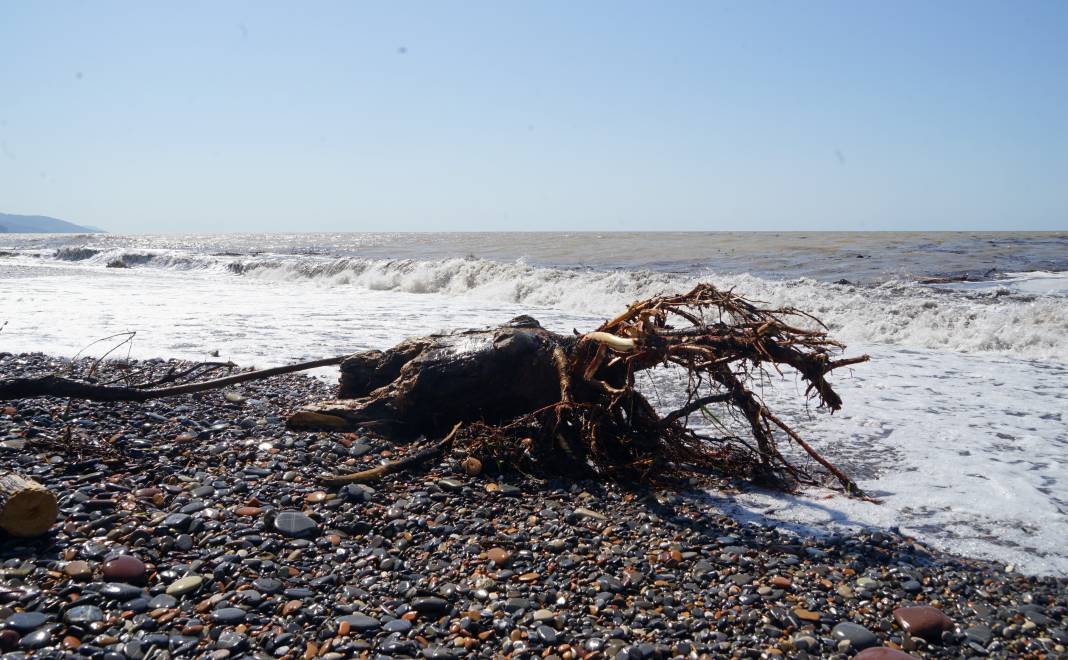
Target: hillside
<point>40,224</point>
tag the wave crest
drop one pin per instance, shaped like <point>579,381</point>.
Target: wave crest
<point>999,317</point>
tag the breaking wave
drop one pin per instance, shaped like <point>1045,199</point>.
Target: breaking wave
<point>1000,316</point>
<point>75,253</point>
<point>170,259</point>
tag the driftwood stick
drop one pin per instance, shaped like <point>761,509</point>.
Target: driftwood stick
<point>415,458</point>
<point>172,377</point>
<point>27,388</point>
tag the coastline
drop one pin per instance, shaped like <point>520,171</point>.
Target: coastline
<point>437,563</point>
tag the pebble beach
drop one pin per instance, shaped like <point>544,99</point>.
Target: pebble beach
<point>534,330</point>
<point>195,527</point>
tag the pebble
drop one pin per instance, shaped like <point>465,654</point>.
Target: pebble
<point>78,570</point>
<point>184,586</point>
<point>228,616</point>
<point>543,615</point>
<point>26,622</point>
<point>36,640</point>
<point>83,615</point>
<point>499,556</point>
<point>547,634</point>
<point>399,626</point>
<point>858,636</point>
<point>361,622</point>
<point>429,605</point>
<point>926,622</point>
<point>9,641</point>
<point>588,514</point>
<point>806,615</point>
<point>295,524</point>
<point>125,568</point>
<point>883,653</point>
<point>121,591</point>
<point>179,521</point>
<point>451,485</point>
<point>162,601</point>
<point>268,585</point>
<point>980,634</point>
<point>231,641</point>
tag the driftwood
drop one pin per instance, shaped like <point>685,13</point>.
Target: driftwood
<point>26,388</point>
<point>412,459</point>
<point>26,507</point>
<point>425,386</point>
<point>537,400</point>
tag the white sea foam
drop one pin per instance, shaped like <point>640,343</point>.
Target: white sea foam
<point>1025,314</point>
<point>968,453</point>
<point>1038,283</point>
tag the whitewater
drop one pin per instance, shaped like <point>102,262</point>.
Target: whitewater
<point>958,423</point>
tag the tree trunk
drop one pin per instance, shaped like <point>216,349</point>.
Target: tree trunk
<point>26,507</point>
<point>427,385</point>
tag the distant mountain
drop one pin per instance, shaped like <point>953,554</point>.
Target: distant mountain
<point>41,224</point>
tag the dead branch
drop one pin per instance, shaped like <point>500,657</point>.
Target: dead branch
<point>399,465</point>
<point>173,377</point>
<point>28,388</point>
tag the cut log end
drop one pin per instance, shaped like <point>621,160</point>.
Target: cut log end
<point>26,507</point>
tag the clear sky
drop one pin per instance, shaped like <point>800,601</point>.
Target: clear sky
<point>507,115</point>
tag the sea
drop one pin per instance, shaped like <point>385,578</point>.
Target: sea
<point>958,424</point>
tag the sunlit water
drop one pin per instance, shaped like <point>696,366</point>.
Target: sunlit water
<point>958,423</point>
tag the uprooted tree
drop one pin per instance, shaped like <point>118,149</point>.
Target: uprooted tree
<point>519,396</point>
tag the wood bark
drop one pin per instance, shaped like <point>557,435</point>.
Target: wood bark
<point>26,507</point>
<point>427,385</point>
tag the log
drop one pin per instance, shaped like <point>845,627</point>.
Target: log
<point>26,507</point>
<point>427,385</point>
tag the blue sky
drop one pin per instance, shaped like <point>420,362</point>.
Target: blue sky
<point>360,116</point>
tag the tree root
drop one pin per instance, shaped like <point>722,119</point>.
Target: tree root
<point>541,402</point>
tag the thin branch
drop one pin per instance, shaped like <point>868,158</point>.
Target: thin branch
<point>27,388</point>
<point>693,407</point>
<point>408,461</point>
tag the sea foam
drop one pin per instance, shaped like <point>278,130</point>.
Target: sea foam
<point>1023,314</point>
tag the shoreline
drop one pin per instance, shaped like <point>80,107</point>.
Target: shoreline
<point>242,551</point>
